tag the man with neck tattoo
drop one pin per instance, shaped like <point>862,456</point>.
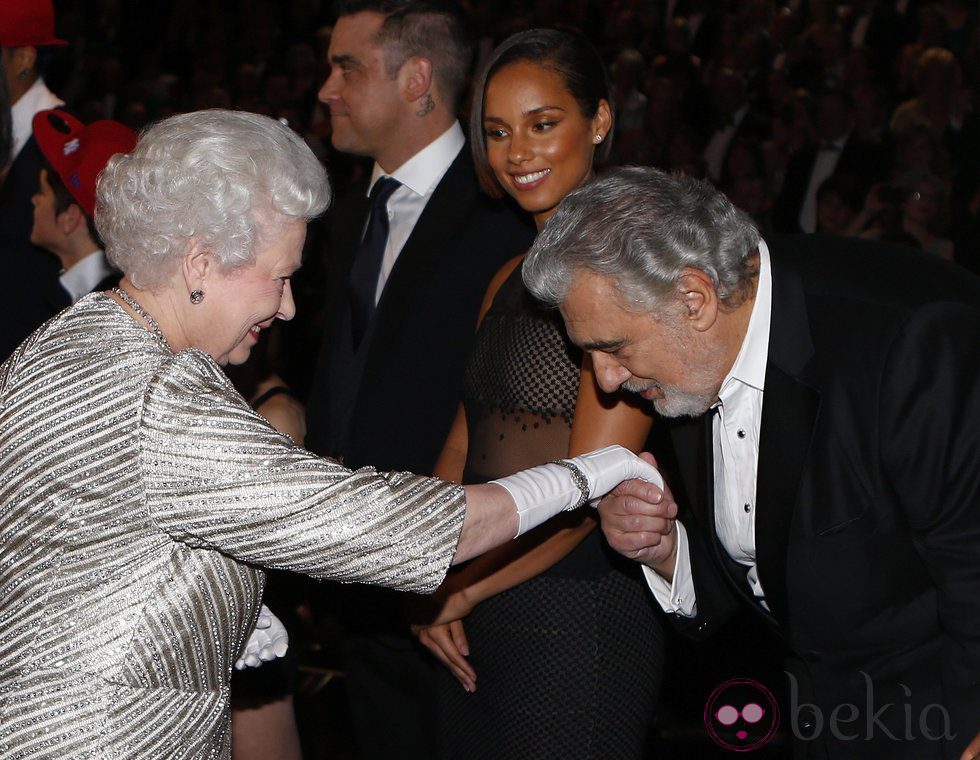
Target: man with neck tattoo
<point>412,250</point>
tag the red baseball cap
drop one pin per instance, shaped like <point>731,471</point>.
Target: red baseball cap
<point>27,22</point>
<point>78,153</point>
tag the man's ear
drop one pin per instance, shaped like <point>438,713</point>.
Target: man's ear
<point>197,264</point>
<point>23,59</point>
<point>415,77</point>
<point>699,299</point>
<point>69,219</point>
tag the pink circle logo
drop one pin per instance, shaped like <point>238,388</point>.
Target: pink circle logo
<point>741,715</point>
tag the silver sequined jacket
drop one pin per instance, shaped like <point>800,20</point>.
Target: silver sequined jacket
<point>137,491</point>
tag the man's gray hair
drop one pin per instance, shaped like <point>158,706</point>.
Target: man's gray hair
<point>227,179</point>
<point>642,227</point>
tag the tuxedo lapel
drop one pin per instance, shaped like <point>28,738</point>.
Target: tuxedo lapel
<point>789,411</point>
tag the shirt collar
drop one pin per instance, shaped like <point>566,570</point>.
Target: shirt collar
<point>750,364</point>
<point>37,98</point>
<point>422,172</point>
<point>85,275</point>
<point>739,116</point>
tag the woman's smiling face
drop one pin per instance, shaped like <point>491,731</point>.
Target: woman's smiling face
<point>242,302</point>
<point>539,144</point>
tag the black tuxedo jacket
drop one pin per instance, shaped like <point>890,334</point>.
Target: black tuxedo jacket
<point>29,287</point>
<point>867,162</point>
<point>391,404</point>
<point>868,497</point>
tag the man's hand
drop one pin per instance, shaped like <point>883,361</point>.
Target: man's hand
<point>448,643</point>
<point>268,641</point>
<point>972,752</point>
<point>638,520</point>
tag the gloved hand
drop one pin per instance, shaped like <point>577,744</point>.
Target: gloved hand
<point>543,491</point>
<point>608,467</point>
<point>268,641</point>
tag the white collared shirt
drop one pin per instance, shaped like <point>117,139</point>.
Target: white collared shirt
<point>735,444</point>
<point>37,98</point>
<point>823,166</point>
<point>717,148</point>
<point>419,177</point>
<point>81,278</point>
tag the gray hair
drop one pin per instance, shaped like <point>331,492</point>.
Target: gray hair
<point>642,227</point>
<point>223,178</point>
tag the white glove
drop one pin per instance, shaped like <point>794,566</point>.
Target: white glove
<point>268,641</point>
<point>544,491</point>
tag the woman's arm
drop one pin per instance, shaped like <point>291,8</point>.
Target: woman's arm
<point>452,458</point>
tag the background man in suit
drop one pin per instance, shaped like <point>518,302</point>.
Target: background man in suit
<point>29,287</point>
<point>64,204</point>
<point>734,118</point>
<point>839,151</point>
<point>405,284</point>
<point>835,386</point>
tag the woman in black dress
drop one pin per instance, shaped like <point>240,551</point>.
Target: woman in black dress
<point>555,649</point>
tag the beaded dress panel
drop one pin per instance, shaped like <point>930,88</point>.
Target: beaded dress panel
<point>520,386</point>
<point>568,663</point>
<point>139,494</point>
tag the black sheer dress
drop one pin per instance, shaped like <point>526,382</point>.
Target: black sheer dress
<point>568,663</point>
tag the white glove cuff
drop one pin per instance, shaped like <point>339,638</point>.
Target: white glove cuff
<point>544,491</point>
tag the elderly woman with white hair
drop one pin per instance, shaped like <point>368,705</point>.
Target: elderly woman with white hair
<point>139,493</point>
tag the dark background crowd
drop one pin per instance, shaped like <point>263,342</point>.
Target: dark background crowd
<point>855,118</point>
<point>747,94</point>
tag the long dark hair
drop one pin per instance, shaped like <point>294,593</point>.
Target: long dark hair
<point>569,55</point>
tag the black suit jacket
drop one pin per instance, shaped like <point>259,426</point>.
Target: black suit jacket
<point>29,288</point>
<point>391,405</point>
<point>867,162</point>
<point>868,496</point>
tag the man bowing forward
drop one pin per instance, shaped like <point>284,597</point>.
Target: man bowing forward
<point>835,386</point>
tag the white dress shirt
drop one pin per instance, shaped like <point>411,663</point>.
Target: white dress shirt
<point>717,148</point>
<point>735,437</point>
<point>37,98</point>
<point>419,177</point>
<point>823,166</point>
<point>84,275</point>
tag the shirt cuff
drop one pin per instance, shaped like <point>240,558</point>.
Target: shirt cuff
<point>675,597</point>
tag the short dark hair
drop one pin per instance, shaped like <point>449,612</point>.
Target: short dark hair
<point>571,56</point>
<point>63,199</point>
<point>433,29</point>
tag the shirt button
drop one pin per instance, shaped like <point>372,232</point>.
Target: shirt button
<point>740,433</point>
<point>747,507</point>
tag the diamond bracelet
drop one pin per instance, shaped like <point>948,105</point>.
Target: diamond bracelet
<point>579,479</point>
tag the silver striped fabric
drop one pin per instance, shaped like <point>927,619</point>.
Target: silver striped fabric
<point>134,487</point>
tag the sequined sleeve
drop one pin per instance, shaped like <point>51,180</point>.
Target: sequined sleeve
<point>218,476</point>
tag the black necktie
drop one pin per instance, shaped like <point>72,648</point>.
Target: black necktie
<point>364,273</point>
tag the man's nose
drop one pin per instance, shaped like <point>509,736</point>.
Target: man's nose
<point>609,373</point>
<point>328,91</point>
